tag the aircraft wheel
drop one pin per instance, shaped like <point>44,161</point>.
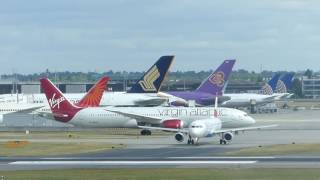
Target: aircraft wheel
<point>189,142</point>
<point>221,141</point>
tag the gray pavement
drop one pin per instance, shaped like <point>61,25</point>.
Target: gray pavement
<point>164,151</point>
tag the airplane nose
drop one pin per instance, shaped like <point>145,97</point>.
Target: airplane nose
<point>251,121</point>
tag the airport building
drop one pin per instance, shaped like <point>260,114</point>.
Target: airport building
<point>311,87</point>
<point>81,87</point>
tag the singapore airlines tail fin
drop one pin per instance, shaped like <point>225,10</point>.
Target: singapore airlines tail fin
<point>151,81</point>
<point>216,82</point>
<point>62,109</point>
<point>94,95</point>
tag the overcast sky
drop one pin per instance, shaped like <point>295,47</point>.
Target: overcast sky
<point>100,35</point>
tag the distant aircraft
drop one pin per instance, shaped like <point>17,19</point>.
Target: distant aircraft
<point>246,99</point>
<point>142,93</point>
<point>270,87</point>
<point>205,94</point>
<point>284,84</point>
<point>91,99</point>
<point>145,117</point>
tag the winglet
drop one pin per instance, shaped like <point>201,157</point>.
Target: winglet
<point>94,95</point>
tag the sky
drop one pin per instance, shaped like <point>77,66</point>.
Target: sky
<point>103,35</point>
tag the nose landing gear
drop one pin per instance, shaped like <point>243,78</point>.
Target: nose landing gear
<point>192,140</point>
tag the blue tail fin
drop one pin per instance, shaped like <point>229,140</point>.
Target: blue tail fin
<point>216,82</point>
<point>284,83</point>
<point>152,80</point>
<point>270,87</point>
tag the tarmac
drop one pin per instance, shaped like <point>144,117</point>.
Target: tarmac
<point>163,151</point>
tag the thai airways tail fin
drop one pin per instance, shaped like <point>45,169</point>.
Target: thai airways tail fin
<point>94,95</point>
<point>270,87</point>
<point>151,81</point>
<point>216,82</point>
<point>284,83</point>
<point>62,109</point>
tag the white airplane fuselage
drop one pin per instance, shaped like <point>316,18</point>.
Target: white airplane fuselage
<point>102,117</point>
<point>245,99</point>
<point>23,101</point>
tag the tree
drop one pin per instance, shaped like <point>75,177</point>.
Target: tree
<point>297,88</point>
<point>308,73</point>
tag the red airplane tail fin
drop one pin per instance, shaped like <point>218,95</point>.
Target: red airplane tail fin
<point>62,109</point>
<point>94,95</point>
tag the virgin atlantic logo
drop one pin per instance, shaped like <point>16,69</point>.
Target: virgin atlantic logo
<point>53,102</point>
<point>217,79</point>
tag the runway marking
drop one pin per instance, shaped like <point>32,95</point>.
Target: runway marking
<point>223,157</point>
<point>288,120</point>
<point>127,162</point>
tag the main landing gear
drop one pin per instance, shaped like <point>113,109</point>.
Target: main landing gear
<point>145,132</point>
<point>226,137</point>
<point>223,141</point>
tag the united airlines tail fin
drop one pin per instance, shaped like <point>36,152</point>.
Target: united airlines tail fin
<point>284,83</point>
<point>62,109</point>
<point>270,87</point>
<point>152,80</point>
<point>94,95</point>
<point>216,82</point>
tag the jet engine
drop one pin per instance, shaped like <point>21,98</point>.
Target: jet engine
<point>228,136</point>
<point>173,124</point>
<point>179,137</point>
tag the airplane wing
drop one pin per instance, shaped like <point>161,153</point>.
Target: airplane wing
<point>164,129</point>
<point>245,128</point>
<point>139,118</point>
<point>185,130</point>
<point>151,102</point>
<point>26,110</point>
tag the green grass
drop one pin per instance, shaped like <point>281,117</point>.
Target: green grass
<point>164,174</point>
<point>50,149</point>
<point>89,134</point>
<point>282,149</point>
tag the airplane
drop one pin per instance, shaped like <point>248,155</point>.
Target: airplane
<point>29,108</point>
<point>205,94</point>
<point>206,128</point>
<point>140,117</point>
<point>142,93</point>
<point>246,99</point>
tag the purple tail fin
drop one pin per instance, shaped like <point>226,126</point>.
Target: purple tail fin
<point>215,83</point>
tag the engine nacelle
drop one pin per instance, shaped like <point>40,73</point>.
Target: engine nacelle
<point>179,137</point>
<point>228,136</point>
<point>173,124</point>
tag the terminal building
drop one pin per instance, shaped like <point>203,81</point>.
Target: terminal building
<point>311,87</point>
<point>81,87</point>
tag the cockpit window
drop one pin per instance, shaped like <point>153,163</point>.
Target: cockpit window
<point>198,126</point>
<point>245,114</point>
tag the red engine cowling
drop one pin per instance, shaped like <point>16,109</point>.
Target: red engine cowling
<point>173,124</point>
